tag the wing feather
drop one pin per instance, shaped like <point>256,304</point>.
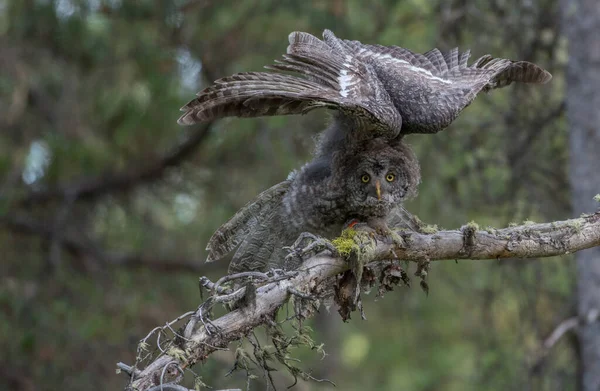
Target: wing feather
<point>236,229</point>
<point>386,88</point>
<point>328,79</point>
<point>431,89</point>
<point>437,59</point>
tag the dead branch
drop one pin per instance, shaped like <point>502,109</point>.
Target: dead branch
<point>525,241</point>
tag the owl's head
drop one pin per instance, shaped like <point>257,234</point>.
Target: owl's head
<point>376,175</point>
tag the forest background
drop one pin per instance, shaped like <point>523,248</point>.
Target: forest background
<point>106,204</point>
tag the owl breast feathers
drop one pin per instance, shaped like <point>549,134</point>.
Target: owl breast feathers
<point>366,181</point>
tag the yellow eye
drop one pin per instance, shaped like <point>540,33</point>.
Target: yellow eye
<point>390,177</point>
<point>365,178</point>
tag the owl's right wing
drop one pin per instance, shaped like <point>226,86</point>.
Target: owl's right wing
<point>245,221</point>
<point>262,249</point>
<point>431,89</point>
<point>329,79</point>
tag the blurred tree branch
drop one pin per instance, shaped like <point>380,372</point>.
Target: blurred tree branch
<point>89,189</point>
<point>80,246</point>
<point>199,340</point>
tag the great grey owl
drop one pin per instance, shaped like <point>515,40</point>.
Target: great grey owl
<point>379,95</point>
<point>365,181</point>
<point>376,90</point>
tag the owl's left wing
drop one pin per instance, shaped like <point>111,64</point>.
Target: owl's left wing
<point>431,89</point>
<point>245,221</point>
<point>329,79</point>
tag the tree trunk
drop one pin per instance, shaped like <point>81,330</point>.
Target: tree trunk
<point>581,23</point>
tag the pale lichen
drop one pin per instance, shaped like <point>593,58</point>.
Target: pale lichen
<point>178,354</point>
<point>473,225</point>
<point>577,225</point>
<point>345,243</point>
<point>429,229</point>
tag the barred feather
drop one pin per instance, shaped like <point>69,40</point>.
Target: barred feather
<point>254,213</point>
<point>385,88</point>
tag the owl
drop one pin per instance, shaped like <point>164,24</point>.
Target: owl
<point>366,181</point>
<point>361,169</point>
<point>374,90</point>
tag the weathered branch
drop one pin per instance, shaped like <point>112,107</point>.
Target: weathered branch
<point>525,241</point>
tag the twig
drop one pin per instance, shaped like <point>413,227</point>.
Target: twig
<point>301,295</point>
<point>162,375</point>
<point>169,387</point>
<point>131,371</point>
<point>209,285</point>
<point>560,330</point>
<point>569,324</point>
<point>237,276</point>
<point>238,294</point>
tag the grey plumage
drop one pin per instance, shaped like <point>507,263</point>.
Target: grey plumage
<point>320,198</point>
<point>247,219</point>
<point>377,90</point>
<point>379,94</point>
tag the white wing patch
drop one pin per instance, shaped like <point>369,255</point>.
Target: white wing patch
<point>408,65</point>
<point>346,81</point>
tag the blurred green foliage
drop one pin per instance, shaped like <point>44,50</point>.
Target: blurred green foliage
<point>90,88</point>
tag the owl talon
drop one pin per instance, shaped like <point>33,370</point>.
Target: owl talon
<point>376,228</point>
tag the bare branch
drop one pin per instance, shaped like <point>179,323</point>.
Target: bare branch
<point>525,241</point>
<point>560,330</point>
<point>131,371</point>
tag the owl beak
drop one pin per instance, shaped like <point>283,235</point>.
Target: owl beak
<point>378,189</point>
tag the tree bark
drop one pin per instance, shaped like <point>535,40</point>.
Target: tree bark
<point>581,23</point>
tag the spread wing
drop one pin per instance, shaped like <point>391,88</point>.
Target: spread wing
<point>245,221</point>
<point>431,89</point>
<point>327,79</point>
